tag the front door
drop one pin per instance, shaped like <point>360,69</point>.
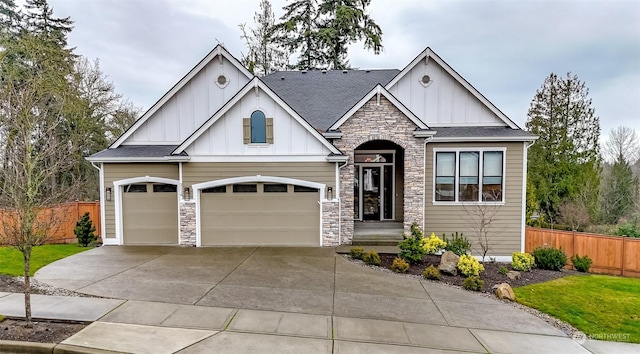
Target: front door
<point>371,193</point>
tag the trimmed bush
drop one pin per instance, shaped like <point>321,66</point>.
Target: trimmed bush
<point>582,264</point>
<point>399,265</point>
<point>411,248</point>
<point>356,252</point>
<point>84,230</point>
<point>628,229</point>
<point>431,272</point>
<point>522,261</point>
<point>458,244</point>
<point>1,318</point>
<point>549,258</point>
<point>503,270</point>
<point>371,258</point>
<point>473,283</point>
<point>469,266</point>
<point>433,244</point>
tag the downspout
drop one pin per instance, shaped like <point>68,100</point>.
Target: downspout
<point>103,223</point>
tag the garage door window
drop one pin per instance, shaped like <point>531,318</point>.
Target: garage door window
<point>164,188</point>
<point>275,188</point>
<point>135,188</point>
<point>218,189</point>
<point>245,188</point>
<point>303,189</point>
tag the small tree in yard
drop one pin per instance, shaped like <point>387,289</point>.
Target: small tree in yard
<point>84,230</point>
<point>481,220</point>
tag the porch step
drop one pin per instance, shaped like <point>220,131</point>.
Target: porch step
<point>376,240</point>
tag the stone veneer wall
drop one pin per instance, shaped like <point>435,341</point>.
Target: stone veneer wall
<point>382,122</point>
<point>331,223</point>
<point>187,222</point>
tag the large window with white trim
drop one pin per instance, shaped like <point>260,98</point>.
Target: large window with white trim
<point>469,175</point>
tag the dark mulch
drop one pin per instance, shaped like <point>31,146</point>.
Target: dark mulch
<point>491,275</point>
<point>41,332</point>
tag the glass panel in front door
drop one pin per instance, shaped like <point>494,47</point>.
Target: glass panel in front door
<point>356,193</point>
<point>370,193</point>
<point>388,192</point>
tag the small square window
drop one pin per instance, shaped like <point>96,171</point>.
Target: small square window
<point>245,188</point>
<point>218,189</point>
<point>275,188</point>
<point>164,188</point>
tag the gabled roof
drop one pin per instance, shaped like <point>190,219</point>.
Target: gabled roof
<point>379,90</point>
<point>254,84</point>
<point>138,153</point>
<point>429,54</point>
<point>218,50</point>
<point>322,97</point>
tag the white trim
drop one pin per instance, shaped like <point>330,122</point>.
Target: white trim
<point>332,135</point>
<point>337,158</point>
<point>257,84</point>
<point>103,206</point>
<point>379,90</point>
<point>117,193</point>
<point>139,159</point>
<point>260,158</point>
<point>428,53</point>
<point>218,50</point>
<point>424,133</point>
<point>525,156</point>
<point>258,179</point>
<point>457,150</point>
<point>499,259</point>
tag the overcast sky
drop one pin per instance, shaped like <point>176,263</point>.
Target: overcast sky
<point>505,49</point>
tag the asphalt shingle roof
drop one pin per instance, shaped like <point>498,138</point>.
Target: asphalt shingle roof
<point>489,132</point>
<point>137,151</point>
<point>322,97</point>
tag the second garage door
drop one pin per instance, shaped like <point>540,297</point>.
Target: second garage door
<point>260,214</point>
<point>150,214</point>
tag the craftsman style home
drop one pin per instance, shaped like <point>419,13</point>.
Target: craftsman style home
<point>306,158</point>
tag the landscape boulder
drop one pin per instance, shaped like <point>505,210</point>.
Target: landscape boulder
<point>504,291</point>
<point>514,275</point>
<point>449,263</point>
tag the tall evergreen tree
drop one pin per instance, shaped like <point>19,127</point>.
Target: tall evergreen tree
<point>10,17</point>
<point>264,56</point>
<point>347,22</point>
<point>298,31</point>
<point>564,163</point>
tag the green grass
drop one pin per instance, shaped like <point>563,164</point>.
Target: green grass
<point>11,261</point>
<point>601,306</point>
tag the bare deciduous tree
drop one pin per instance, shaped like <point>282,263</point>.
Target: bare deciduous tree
<point>623,142</point>
<point>573,213</point>
<point>481,220</point>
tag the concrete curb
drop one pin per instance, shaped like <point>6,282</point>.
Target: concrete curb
<point>17,347</point>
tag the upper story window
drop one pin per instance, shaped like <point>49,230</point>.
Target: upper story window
<point>469,175</point>
<point>258,129</point>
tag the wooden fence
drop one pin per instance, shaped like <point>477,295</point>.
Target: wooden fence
<point>69,213</point>
<point>610,254</point>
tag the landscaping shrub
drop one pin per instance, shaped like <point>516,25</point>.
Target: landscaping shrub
<point>411,248</point>
<point>503,270</point>
<point>582,264</point>
<point>458,244</point>
<point>399,265</point>
<point>522,261</point>
<point>356,252</point>
<point>628,229</point>
<point>1,318</point>
<point>84,230</point>
<point>431,272</point>
<point>549,258</point>
<point>371,258</point>
<point>473,283</point>
<point>469,266</point>
<point>433,244</point>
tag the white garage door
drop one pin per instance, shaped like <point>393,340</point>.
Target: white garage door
<point>260,214</point>
<point>150,214</point>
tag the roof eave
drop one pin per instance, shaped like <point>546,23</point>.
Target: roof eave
<point>337,158</point>
<point>458,139</point>
<point>138,159</point>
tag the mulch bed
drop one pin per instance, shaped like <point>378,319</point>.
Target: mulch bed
<point>491,275</point>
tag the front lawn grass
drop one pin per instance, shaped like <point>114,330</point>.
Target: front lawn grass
<point>11,261</point>
<point>601,306</point>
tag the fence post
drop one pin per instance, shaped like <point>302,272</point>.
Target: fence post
<point>573,247</point>
<point>624,239</point>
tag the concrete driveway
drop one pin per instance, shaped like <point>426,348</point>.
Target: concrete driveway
<point>355,303</point>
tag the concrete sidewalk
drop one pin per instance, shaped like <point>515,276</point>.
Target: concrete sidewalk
<point>238,300</point>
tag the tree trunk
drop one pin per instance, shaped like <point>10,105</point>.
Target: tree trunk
<point>27,286</point>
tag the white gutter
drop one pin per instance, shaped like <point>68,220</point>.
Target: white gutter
<point>437,139</point>
<point>139,159</point>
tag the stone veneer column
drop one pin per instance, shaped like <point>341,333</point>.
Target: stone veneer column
<point>187,223</point>
<point>382,121</point>
<point>330,223</point>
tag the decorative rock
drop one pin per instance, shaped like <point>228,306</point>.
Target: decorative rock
<point>513,275</point>
<point>504,291</point>
<point>449,263</point>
